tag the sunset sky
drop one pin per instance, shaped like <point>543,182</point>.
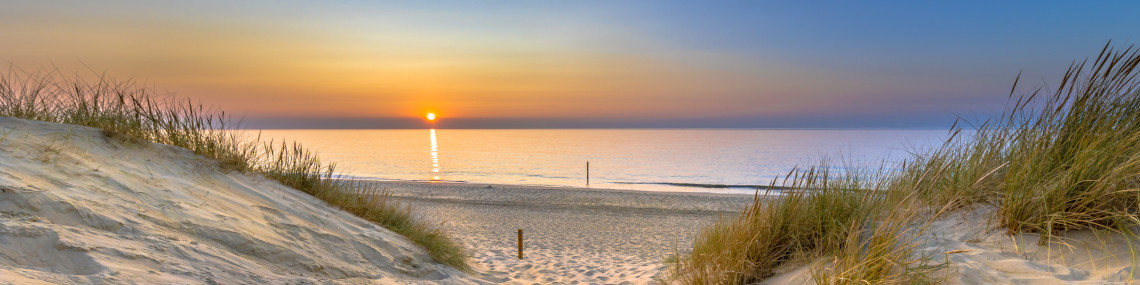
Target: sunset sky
<point>547,64</point>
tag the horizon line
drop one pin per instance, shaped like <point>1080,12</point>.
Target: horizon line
<point>832,122</point>
<point>621,128</point>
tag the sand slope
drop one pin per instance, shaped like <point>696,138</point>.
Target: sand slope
<point>969,249</point>
<point>78,207</point>
<point>978,254</point>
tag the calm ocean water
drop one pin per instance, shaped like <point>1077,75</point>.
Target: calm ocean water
<point>718,161</point>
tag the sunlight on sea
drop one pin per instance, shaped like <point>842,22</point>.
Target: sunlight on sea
<point>637,159</point>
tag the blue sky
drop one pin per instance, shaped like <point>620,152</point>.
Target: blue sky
<point>483,64</point>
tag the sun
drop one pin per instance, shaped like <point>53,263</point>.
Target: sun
<point>431,116</point>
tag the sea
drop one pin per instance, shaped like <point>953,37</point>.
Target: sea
<point>736,161</point>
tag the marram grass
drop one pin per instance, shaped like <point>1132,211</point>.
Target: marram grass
<point>801,224</point>
<point>1053,161</point>
<point>130,111</point>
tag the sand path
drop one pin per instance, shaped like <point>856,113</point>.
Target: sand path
<point>571,235</point>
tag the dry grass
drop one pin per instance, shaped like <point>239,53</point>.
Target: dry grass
<point>814,220</point>
<point>884,248</point>
<point>1062,161</point>
<point>1069,160</point>
<point>1073,162</point>
<point>128,111</point>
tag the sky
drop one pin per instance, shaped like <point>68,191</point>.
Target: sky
<point>573,64</point>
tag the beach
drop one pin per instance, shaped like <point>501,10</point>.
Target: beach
<point>79,207</point>
<point>584,142</point>
<point>571,235</point>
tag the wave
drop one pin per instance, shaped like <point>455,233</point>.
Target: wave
<point>704,185</point>
<point>673,184</point>
<point>369,178</point>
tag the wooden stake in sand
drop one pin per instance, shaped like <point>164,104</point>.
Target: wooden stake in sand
<point>587,173</point>
<point>520,244</point>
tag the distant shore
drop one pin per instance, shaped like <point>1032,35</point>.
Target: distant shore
<point>588,235</point>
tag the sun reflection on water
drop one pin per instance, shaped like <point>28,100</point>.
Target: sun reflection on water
<point>434,157</point>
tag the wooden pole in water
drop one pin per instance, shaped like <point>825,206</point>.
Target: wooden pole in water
<point>520,244</point>
<point>587,173</point>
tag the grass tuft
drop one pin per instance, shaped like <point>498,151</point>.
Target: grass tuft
<point>1050,163</point>
<point>127,111</point>
<point>1073,162</point>
<point>815,219</point>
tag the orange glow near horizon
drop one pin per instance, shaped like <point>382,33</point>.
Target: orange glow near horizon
<point>357,61</point>
<point>238,68</point>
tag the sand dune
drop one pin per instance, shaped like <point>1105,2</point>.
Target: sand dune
<point>969,250</point>
<point>978,254</point>
<point>79,207</point>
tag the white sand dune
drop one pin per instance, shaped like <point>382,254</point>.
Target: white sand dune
<point>978,254</point>
<point>971,250</point>
<point>78,207</point>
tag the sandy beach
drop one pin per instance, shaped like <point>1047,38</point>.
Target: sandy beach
<point>571,235</point>
<point>77,207</point>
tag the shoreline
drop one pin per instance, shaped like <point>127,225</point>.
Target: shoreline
<point>508,194</point>
<point>540,187</point>
<point>672,187</point>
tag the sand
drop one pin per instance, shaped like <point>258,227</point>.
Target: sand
<point>571,235</point>
<point>79,208</point>
<point>977,253</point>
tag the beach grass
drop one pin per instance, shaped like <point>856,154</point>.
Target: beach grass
<point>129,111</point>
<point>1055,160</point>
<point>813,220</point>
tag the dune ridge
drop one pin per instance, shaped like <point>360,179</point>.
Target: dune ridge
<point>77,206</point>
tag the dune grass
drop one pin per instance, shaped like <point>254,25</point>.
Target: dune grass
<point>798,225</point>
<point>1073,164</point>
<point>1068,160</point>
<point>130,111</point>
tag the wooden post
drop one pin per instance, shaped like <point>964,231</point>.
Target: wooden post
<point>520,244</point>
<point>587,173</point>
